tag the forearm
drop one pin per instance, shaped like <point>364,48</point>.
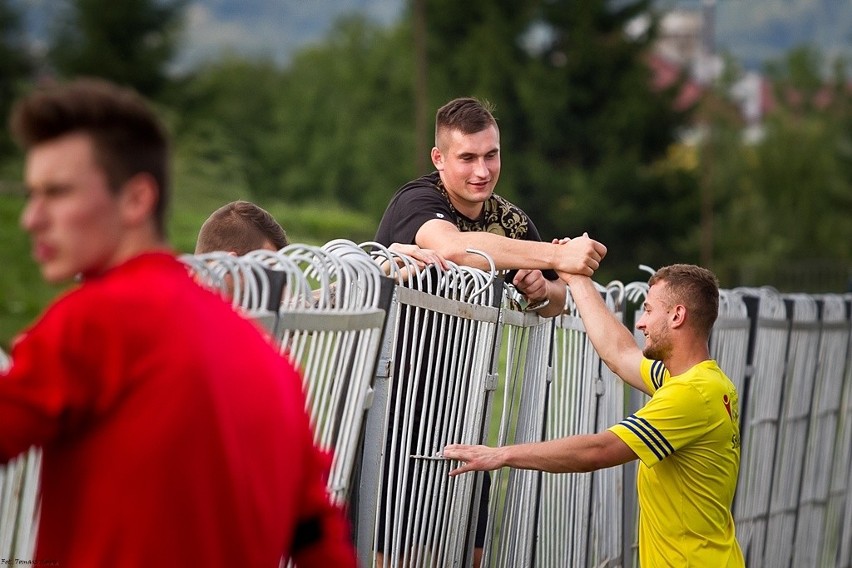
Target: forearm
<point>506,253</point>
<point>556,291</point>
<point>611,339</point>
<point>581,255</point>
<point>587,452</point>
<point>574,454</point>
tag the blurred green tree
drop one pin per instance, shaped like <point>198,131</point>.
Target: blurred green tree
<point>224,125</point>
<point>785,218</point>
<point>346,117</point>
<point>15,66</point>
<point>582,126</point>
<point>130,42</point>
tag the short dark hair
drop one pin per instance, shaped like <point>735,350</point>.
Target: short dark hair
<point>239,227</point>
<point>127,137</point>
<point>694,287</point>
<point>466,114</point>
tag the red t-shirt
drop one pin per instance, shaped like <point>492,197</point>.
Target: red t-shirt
<point>173,433</point>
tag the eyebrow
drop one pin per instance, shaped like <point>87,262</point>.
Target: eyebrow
<point>474,154</point>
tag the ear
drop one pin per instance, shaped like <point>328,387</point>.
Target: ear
<point>437,159</point>
<point>139,197</point>
<point>677,316</point>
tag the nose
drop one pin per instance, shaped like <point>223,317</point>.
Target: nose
<point>32,217</point>
<point>480,169</point>
<point>640,323</point>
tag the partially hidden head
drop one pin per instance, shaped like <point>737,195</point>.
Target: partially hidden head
<point>240,227</point>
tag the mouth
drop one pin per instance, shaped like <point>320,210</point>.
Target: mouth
<point>43,252</point>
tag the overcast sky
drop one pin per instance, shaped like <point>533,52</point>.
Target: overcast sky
<point>273,28</point>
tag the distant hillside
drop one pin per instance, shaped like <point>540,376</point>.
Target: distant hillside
<point>753,31</point>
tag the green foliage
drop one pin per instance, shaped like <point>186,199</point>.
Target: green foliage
<point>581,126</point>
<point>15,66</point>
<point>23,293</point>
<point>129,42</point>
<point>784,201</point>
<point>335,126</point>
<point>587,144</point>
<point>346,118</point>
<point>225,125</point>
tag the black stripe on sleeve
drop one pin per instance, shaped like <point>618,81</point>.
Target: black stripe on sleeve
<point>652,437</point>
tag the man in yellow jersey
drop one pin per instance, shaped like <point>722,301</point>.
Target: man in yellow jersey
<point>686,437</point>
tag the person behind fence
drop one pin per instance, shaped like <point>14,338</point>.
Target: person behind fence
<point>240,227</point>
<point>686,436</point>
<point>454,209</point>
<point>172,432</point>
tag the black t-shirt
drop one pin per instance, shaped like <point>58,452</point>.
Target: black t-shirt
<point>424,199</point>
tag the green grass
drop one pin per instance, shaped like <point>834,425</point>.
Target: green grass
<point>23,293</point>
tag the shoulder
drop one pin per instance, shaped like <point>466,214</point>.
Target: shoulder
<point>505,204</point>
<point>415,203</point>
<point>653,372</point>
<point>422,188</point>
<point>512,220</point>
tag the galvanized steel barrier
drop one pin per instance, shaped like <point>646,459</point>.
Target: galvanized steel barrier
<point>396,367</point>
<point>19,486</point>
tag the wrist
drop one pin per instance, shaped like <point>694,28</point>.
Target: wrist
<point>537,305</point>
<point>503,455</point>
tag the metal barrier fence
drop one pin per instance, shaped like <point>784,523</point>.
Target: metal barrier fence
<point>19,483</point>
<point>395,368</point>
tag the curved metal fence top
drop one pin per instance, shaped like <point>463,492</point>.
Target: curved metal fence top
<point>731,305</point>
<point>636,291</point>
<point>339,276</point>
<point>771,304</point>
<point>805,307</point>
<point>237,278</point>
<point>459,283</point>
<point>833,308</point>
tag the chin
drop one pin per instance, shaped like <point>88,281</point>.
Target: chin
<point>57,276</point>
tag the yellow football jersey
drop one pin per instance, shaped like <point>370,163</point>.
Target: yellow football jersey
<point>688,441</point>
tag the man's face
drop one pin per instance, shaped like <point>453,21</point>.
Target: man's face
<point>654,323</point>
<point>72,217</point>
<point>470,166</point>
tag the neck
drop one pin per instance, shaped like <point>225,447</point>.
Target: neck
<point>471,210</point>
<point>685,357</point>
<point>134,243</point>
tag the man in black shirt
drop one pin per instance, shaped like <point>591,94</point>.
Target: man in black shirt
<point>454,209</point>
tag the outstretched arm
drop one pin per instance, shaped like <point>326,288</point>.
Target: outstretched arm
<point>610,338</point>
<point>582,453</point>
<point>581,255</point>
